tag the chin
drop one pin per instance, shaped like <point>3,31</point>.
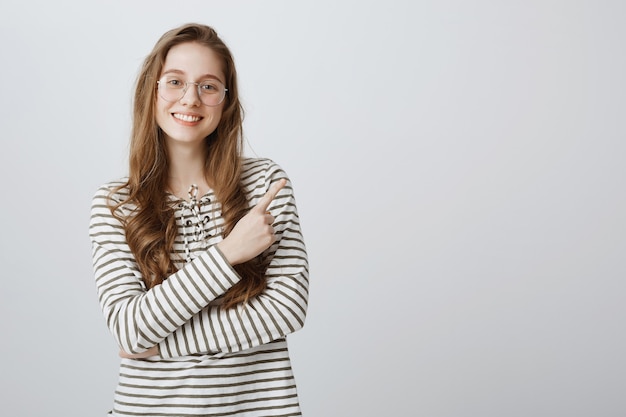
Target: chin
<point>187,140</point>
<point>186,137</point>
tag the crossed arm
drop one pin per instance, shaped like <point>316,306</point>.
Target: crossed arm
<point>177,318</point>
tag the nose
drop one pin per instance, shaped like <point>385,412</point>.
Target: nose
<point>191,95</point>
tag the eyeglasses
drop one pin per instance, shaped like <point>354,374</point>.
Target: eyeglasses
<point>173,89</point>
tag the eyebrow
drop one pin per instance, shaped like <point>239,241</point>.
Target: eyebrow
<point>203,77</point>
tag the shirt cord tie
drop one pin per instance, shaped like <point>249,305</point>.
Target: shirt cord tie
<point>198,233</point>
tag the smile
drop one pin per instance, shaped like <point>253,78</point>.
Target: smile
<point>187,117</point>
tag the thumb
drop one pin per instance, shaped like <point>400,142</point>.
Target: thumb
<point>269,196</point>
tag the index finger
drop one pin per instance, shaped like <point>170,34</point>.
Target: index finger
<point>265,201</point>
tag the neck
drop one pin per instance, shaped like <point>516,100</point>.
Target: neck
<point>186,167</point>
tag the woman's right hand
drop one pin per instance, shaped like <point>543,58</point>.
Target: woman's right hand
<point>253,233</point>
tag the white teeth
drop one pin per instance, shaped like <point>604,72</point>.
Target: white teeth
<point>186,118</point>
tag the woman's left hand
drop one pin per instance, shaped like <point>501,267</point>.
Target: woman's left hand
<point>153,351</point>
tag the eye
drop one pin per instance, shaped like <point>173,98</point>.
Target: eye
<point>209,87</point>
<point>174,83</point>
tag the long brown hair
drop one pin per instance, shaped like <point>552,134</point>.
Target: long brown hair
<point>151,228</point>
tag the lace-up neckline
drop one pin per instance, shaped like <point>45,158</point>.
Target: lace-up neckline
<point>194,229</point>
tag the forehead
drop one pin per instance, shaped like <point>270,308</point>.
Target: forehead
<point>193,60</point>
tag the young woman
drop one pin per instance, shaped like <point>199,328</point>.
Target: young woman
<point>200,265</point>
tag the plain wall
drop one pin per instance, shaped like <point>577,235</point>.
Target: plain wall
<point>458,168</point>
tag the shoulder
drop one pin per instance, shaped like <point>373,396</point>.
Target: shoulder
<point>255,169</point>
<point>110,193</point>
<point>258,175</point>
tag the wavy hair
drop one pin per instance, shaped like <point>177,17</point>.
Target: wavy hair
<point>151,227</point>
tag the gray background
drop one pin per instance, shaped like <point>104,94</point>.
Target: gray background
<point>459,171</point>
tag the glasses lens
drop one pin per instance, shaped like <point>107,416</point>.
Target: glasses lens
<point>172,89</point>
<point>211,92</point>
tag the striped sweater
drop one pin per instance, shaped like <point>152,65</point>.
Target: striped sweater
<point>213,362</point>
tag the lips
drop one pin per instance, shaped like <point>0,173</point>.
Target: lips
<point>187,117</point>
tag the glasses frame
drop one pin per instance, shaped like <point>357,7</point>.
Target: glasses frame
<point>186,87</point>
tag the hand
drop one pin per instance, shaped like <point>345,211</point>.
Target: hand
<point>253,233</point>
<point>153,351</point>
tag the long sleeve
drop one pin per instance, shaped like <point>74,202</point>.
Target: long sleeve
<point>140,318</point>
<point>278,311</point>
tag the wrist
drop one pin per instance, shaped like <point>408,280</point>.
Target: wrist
<point>228,252</point>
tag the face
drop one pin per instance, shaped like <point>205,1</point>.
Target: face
<point>188,120</point>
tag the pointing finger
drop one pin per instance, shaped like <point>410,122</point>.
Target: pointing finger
<point>265,201</point>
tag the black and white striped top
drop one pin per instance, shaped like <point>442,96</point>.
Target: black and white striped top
<point>213,362</point>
